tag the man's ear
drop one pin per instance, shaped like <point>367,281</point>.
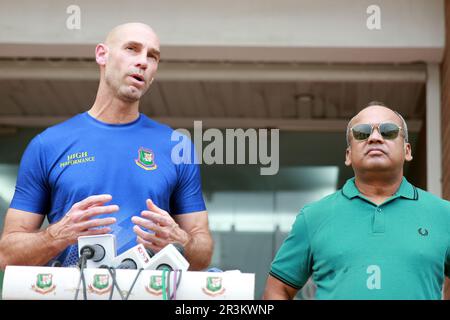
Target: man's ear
<point>408,152</point>
<point>348,154</point>
<point>101,54</point>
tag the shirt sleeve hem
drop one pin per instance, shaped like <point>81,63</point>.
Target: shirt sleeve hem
<point>25,207</point>
<point>190,209</point>
<point>289,283</point>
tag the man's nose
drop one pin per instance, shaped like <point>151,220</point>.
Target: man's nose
<point>375,136</point>
<point>142,61</point>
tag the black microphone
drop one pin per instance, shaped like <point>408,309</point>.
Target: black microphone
<point>136,257</point>
<point>93,252</point>
<point>127,264</point>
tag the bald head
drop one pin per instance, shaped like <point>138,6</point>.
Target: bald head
<point>372,111</point>
<point>128,60</point>
<point>124,30</point>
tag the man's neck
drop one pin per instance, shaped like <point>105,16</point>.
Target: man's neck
<point>378,187</point>
<point>110,109</point>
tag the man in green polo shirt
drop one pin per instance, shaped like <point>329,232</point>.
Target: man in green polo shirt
<point>379,237</point>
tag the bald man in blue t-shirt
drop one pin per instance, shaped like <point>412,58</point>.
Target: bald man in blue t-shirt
<point>108,170</point>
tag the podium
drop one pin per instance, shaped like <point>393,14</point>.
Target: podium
<point>49,283</point>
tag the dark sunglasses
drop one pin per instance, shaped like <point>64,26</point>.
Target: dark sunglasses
<point>388,131</point>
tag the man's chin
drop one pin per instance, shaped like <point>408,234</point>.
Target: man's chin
<point>377,166</point>
<point>131,94</point>
<point>129,98</point>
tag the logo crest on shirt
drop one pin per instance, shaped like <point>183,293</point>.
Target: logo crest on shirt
<point>423,232</point>
<point>146,159</point>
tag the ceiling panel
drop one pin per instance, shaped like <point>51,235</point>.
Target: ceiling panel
<point>218,99</point>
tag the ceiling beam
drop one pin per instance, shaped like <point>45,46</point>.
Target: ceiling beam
<point>300,125</point>
<point>219,71</point>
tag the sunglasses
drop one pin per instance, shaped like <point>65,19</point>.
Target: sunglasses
<point>388,131</point>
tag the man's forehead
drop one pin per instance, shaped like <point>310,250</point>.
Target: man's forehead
<point>133,32</point>
<point>376,114</point>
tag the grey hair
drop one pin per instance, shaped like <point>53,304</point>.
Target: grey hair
<point>376,103</point>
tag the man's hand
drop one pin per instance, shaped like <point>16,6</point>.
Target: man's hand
<point>165,229</point>
<point>77,222</point>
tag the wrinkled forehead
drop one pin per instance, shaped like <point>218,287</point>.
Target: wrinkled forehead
<point>134,32</point>
<point>376,114</point>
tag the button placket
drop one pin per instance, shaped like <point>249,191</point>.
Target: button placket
<point>378,225</point>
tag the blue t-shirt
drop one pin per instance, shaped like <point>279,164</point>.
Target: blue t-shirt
<point>83,156</point>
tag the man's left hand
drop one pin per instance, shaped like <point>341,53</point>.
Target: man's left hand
<point>165,229</point>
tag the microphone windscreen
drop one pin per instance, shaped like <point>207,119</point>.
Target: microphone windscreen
<point>127,264</point>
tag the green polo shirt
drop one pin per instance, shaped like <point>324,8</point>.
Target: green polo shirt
<point>355,249</point>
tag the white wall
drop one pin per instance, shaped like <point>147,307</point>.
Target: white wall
<point>282,30</point>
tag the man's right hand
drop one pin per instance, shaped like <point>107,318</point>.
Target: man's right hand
<point>78,221</point>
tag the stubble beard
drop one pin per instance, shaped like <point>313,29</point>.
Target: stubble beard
<point>122,91</point>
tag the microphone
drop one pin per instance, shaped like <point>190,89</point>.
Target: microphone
<point>98,250</point>
<point>56,264</point>
<point>94,252</point>
<point>136,257</point>
<point>170,257</point>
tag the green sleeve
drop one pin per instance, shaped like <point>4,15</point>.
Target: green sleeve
<point>447,257</point>
<point>447,262</point>
<point>293,261</point>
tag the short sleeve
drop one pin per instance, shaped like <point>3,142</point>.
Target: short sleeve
<point>32,191</point>
<point>187,196</point>
<point>447,255</point>
<point>293,261</point>
<point>447,259</point>
<point>447,262</point>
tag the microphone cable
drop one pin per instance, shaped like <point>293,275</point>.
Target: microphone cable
<point>165,283</point>
<point>112,272</point>
<point>87,252</point>
<point>174,293</point>
<point>176,280</point>
<point>81,265</point>
<point>134,282</point>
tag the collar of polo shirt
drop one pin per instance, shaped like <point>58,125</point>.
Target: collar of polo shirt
<point>406,190</point>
